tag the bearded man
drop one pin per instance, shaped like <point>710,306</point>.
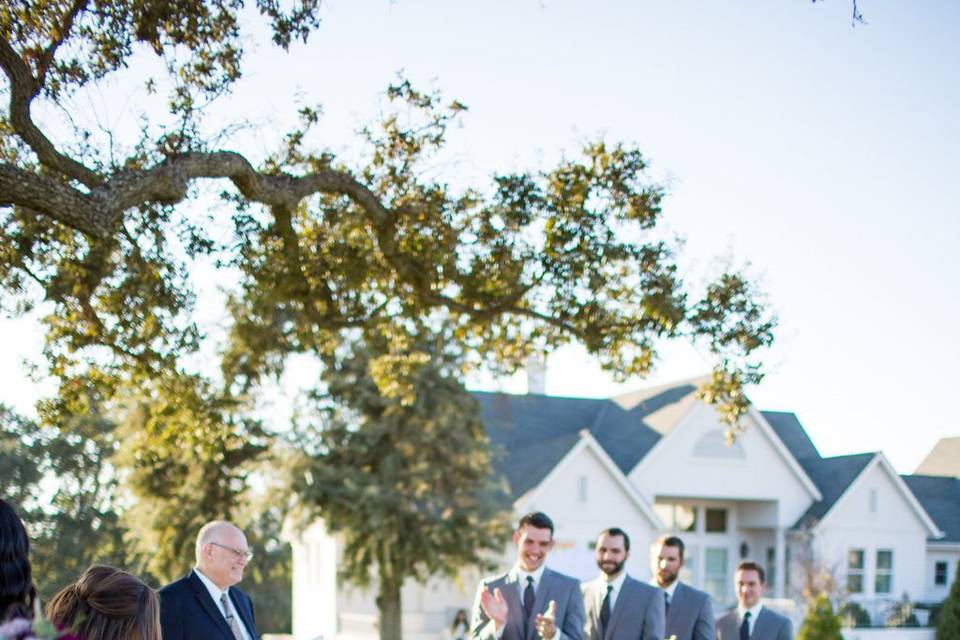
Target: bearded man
<point>617,606</point>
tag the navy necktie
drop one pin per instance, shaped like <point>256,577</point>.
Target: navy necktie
<point>745,627</point>
<point>666,603</point>
<point>605,611</point>
<point>528,597</point>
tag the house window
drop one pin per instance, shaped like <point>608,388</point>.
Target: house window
<point>715,578</point>
<point>771,565</point>
<point>855,571</point>
<point>786,566</point>
<point>873,500</point>
<point>716,520</point>
<point>677,517</point>
<point>582,489</point>
<point>883,582</point>
<point>940,573</point>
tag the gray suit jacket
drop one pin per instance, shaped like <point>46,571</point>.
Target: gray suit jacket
<point>564,590</point>
<point>637,614</point>
<point>690,616</point>
<point>770,625</point>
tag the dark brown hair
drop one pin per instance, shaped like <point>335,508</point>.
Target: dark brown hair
<point>17,593</point>
<point>107,604</point>
<point>753,566</point>
<point>537,520</point>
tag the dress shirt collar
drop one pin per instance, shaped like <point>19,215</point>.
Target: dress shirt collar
<point>522,576</point>
<point>754,612</point>
<point>668,590</point>
<point>215,591</point>
<point>616,581</point>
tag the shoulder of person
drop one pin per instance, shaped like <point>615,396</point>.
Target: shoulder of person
<point>561,578</point>
<point>640,586</point>
<point>776,614</point>
<point>176,586</point>
<point>495,580</point>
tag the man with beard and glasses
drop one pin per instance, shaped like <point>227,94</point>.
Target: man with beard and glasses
<point>617,606</point>
<point>689,613</point>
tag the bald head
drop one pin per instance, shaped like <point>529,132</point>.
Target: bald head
<point>222,553</point>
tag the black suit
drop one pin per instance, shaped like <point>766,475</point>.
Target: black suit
<point>187,612</point>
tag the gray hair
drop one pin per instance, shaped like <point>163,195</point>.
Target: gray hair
<point>208,532</point>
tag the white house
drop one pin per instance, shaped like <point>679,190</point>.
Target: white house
<point>655,461</point>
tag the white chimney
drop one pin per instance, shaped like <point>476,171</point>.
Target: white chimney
<point>536,366</point>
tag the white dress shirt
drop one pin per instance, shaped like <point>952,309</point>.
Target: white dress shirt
<point>215,593</point>
<point>616,582</point>
<point>521,577</point>
<point>754,612</point>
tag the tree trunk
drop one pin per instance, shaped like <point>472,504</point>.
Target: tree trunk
<point>391,619</point>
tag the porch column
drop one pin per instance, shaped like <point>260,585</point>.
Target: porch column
<point>779,578</point>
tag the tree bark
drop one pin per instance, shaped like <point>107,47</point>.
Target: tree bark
<point>391,619</point>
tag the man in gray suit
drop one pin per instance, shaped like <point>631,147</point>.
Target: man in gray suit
<point>617,606</point>
<point>529,599</point>
<point>751,620</point>
<point>689,613</point>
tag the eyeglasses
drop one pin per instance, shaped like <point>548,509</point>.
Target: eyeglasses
<point>241,554</point>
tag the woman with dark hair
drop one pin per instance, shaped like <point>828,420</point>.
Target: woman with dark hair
<point>107,604</point>
<point>17,593</point>
<point>460,626</point>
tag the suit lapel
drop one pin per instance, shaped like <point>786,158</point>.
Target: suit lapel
<point>512,589</point>
<point>544,590</point>
<point>209,606</point>
<point>760,626</point>
<point>626,592</point>
<point>244,612</point>
<point>675,603</point>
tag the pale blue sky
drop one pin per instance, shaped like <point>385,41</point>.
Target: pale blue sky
<point>826,156</point>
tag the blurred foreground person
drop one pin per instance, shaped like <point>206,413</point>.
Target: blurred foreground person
<point>107,604</point>
<point>17,594</point>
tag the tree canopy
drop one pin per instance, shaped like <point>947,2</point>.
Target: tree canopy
<point>101,228</point>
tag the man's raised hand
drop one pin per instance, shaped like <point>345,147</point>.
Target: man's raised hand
<point>547,622</point>
<point>494,606</point>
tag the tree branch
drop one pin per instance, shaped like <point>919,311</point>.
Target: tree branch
<point>60,34</point>
<point>23,89</point>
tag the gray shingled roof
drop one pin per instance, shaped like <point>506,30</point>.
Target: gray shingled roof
<point>832,477</point>
<point>792,434</point>
<point>940,498</point>
<point>530,434</point>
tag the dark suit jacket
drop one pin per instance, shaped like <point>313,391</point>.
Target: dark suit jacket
<point>187,612</point>
<point>564,590</point>
<point>637,614</point>
<point>690,616</point>
<point>770,625</point>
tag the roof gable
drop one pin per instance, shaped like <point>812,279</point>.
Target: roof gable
<point>943,459</point>
<point>833,476</point>
<point>940,497</point>
<point>532,433</point>
<point>842,475</point>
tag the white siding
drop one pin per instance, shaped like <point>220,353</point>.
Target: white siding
<point>675,468</point>
<point>578,523</point>
<point>934,592</point>
<point>893,525</point>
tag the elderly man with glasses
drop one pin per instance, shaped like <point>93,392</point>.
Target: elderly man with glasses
<point>205,604</point>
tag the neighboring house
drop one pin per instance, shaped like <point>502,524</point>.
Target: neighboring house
<point>943,459</point>
<point>656,461</point>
